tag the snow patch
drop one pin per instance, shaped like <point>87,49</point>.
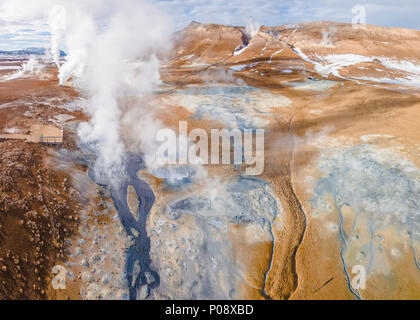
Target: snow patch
<point>333,63</point>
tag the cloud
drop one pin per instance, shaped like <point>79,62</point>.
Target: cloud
<point>18,29</point>
<point>26,14</point>
<point>403,13</point>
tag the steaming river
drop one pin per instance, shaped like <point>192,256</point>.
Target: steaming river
<point>137,267</point>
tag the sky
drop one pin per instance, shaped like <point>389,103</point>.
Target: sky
<point>18,31</point>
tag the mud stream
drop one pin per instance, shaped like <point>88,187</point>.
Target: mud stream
<point>137,267</point>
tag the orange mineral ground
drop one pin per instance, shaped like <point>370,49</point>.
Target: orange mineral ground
<point>339,196</point>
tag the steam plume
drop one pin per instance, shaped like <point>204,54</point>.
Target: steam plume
<point>112,49</point>
<point>57,22</point>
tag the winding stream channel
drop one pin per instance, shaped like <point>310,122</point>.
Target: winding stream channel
<point>137,268</point>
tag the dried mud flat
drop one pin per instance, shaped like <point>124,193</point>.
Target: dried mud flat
<point>340,186</point>
<point>330,93</point>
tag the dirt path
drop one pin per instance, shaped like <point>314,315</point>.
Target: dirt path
<point>282,279</point>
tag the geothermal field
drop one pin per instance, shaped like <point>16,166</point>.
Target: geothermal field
<point>332,210</point>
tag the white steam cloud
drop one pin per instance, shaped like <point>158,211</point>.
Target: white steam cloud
<point>112,51</point>
<point>57,23</point>
<point>32,67</point>
<point>111,63</point>
<point>252,28</point>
